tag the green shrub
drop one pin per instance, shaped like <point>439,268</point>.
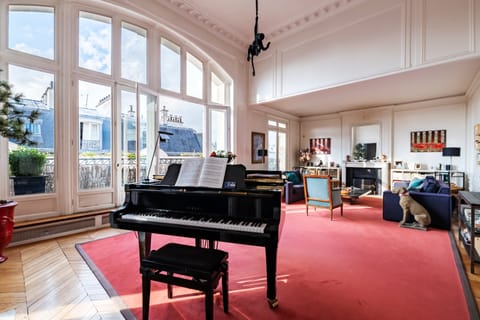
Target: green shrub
<point>26,162</point>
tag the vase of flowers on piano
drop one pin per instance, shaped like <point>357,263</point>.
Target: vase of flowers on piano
<point>224,154</point>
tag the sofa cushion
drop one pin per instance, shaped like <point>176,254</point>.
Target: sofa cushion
<point>430,185</point>
<point>293,176</point>
<point>416,184</point>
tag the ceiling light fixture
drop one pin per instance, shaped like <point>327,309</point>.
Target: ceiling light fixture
<point>257,45</point>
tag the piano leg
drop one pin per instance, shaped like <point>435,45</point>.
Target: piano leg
<point>144,243</point>
<point>271,257</point>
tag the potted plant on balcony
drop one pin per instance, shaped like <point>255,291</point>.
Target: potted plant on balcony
<point>12,120</point>
<point>26,168</point>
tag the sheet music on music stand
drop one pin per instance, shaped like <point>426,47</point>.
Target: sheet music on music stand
<point>202,172</point>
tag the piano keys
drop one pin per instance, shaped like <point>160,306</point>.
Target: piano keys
<point>242,215</point>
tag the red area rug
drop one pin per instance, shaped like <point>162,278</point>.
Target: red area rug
<point>355,267</point>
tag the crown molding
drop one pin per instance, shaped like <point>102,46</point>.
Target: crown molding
<point>187,10</point>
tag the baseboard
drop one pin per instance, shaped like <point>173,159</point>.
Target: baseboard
<point>33,232</point>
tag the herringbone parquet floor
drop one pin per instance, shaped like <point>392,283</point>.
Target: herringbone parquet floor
<point>50,280</point>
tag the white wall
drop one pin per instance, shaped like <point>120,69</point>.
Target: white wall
<point>327,127</point>
<point>373,38</point>
<point>396,123</point>
<point>473,116</point>
<point>448,114</point>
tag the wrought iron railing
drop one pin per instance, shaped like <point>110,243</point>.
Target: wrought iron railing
<point>96,172</point>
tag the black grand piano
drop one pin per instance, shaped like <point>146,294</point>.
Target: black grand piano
<point>247,211</point>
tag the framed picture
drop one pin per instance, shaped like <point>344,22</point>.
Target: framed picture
<point>258,143</point>
<point>320,145</point>
<point>428,141</point>
<point>398,165</point>
<point>476,134</point>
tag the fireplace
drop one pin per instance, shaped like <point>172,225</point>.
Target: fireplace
<point>368,176</point>
<point>365,179</point>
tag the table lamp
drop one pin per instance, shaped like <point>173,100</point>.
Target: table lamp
<point>450,152</point>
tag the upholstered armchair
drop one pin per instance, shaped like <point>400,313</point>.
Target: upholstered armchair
<point>319,193</point>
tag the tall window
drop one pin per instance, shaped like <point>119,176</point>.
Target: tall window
<point>218,130</point>
<point>134,53</point>
<point>115,122</point>
<point>128,136</point>
<point>217,89</point>
<point>31,30</point>
<point>95,42</point>
<point>95,123</point>
<point>277,145</point>
<point>37,88</point>
<point>170,66</point>
<point>148,135</point>
<point>185,120</point>
<point>194,77</point>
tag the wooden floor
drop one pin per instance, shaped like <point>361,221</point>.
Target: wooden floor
<point>50,280</point>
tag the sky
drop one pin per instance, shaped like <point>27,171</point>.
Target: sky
<point>32,31</point>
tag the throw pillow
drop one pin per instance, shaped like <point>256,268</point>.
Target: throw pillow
<point>430,185</point>
<point>416,184</point>
<point>293,177</point>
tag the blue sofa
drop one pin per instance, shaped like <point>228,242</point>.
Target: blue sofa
<point>438,203</point>
<point>293,186</point>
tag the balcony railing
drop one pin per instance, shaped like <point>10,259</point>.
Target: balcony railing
<point>96,172</point>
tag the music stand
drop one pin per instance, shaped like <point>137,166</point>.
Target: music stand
<point>157,142</point>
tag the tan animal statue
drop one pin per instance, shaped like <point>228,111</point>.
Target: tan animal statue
<point>410,206</point>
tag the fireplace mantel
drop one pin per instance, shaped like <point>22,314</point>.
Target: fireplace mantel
<point>367,164</point>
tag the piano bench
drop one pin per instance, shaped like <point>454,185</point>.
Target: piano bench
<point>199,269</point>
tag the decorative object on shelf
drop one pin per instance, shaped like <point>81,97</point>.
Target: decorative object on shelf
<point>428,141</point>
<point>450,152</point>
<point>360,152</point>
<point>304,156</point>
<point>320,145</point>
<point>223,154</point>
<point>417,166</point>
<point>257,45</point>
<point>258,143</point>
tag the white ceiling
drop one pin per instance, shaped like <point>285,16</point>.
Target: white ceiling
<point>235,19</point>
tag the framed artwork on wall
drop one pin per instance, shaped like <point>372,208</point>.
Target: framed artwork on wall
<point>476,135</point>
<point>320,145</point>
<point>428,141</point>
<point>258,143</point>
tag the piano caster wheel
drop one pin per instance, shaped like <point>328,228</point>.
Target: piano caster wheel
<point>273,303</point>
